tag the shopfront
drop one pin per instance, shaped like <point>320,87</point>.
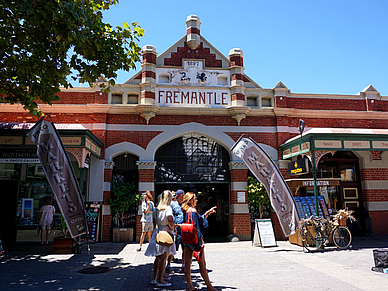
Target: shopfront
<point>346,165</point>
<point>24,184</point>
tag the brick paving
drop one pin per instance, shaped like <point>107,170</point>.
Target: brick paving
<point>232,266</point>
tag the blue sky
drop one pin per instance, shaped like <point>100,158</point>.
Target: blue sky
<point>328,47</point>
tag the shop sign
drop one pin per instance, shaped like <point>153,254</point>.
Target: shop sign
<point>71,140</point>
<point>295,149</point>
<point>319,183</point>
<point>298,167</point>
<point>377,144</point>
<point>353,144</point>
<point>286,153</point>
<point>6,140</point>
<point>305,146</point>
<point>23,156</point>
<point>328,144</point>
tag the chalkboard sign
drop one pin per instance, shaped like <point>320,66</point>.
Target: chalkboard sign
<point>93,211</point>
<point>264,235</point>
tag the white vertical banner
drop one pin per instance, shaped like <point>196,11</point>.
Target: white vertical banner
<point>264,169</point>
<point>60,175</point>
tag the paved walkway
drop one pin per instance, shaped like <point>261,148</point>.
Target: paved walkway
<point>232,266</point>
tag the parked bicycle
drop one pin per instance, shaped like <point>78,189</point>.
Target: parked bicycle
<point>315,234</point>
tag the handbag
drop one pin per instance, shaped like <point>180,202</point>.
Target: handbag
<point>163,237</point>
<point>189,231</point>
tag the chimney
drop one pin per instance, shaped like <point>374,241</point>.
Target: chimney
<point>192,30</point>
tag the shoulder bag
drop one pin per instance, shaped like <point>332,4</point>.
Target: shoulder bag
<point>189,231</point>
<point>163,237</point>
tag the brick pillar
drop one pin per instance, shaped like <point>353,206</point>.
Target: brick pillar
<point>106,213</point>
<point>193,34</point>
<point>146,183</point>
<point>240,219</point>
<point>237,86</point>
<point>148,75</point>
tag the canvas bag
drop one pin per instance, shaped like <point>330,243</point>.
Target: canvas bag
<point>163,238</point>
<point>189,231</point>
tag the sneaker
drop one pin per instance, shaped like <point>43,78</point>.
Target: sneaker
<point>163,285</point>
<point>139,249</point>
<point>175,260</point>
<point>153,282</point>
<point>169,271</point>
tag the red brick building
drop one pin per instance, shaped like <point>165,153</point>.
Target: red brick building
<point>171,126</point>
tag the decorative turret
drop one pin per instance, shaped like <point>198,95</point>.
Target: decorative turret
<point>236,58</point>
<point>148,74</point>
<point>193,37</point>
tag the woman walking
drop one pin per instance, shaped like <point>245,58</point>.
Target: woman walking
<point>163,220</point>
<point>188,206</point>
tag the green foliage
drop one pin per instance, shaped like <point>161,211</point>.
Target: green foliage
<point>62,227</point>
<point>123,195</point>
<point>257,195</point>
<point>44,42</point>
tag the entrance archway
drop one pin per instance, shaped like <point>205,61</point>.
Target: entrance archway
<point>196,163</point>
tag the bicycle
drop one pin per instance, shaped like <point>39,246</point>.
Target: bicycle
<point>323,228</point>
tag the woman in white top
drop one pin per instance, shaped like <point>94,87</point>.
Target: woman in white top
<point>46,217</point>
<point>163,220</point>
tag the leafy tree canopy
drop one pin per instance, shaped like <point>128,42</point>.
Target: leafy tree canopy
<point>44,44</point>
<point>257,195</point>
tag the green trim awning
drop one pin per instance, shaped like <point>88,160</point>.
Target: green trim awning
<point>336,139</point>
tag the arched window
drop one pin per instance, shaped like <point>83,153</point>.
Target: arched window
<point>192,158</point>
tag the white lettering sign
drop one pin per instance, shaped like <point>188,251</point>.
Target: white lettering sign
<point>192,97</point>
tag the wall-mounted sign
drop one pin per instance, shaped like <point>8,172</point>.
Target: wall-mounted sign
<point>241,197</point>
<point>328,144</point>
<point>11,140</point>
<point>298,167</point>
<point>192,97</point>
<point>377,144</point>
<point>353,144</point>
<point>23,156</point>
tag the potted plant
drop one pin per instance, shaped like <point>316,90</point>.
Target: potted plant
<point>123,195</point>
<point>63,243</point>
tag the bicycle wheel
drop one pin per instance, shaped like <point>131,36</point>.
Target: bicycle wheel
<point>311,242</point>
<point>342,237</point>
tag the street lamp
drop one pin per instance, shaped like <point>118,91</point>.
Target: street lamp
<point>314,169</point>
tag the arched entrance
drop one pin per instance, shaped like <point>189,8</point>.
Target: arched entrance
<point>198,164</point>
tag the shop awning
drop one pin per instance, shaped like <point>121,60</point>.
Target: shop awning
<point>72,135</point>
<point>336,139</point>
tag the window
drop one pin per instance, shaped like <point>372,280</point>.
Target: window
<point>117,98</point>
<point>222,80</point>
<point>266,102</point>
<point>133,99</point>
<point>252,101</point>
<point>164,78</point>
<point>192,158</point>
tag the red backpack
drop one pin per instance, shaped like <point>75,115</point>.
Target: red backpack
<point>189,231</point>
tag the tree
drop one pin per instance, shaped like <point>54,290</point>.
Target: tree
<point>44,44</point>
<point>123,196</point>
<point>257,195</point>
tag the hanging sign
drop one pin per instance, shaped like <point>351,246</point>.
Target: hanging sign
<point>264,169</point>
<point>298,167</point>
<point>60,175</point>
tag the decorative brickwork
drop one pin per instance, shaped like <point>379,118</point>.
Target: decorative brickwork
<point>147,94</point>
<point>376,155</point>
<point>238,96</point>
<point>187,53</point>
